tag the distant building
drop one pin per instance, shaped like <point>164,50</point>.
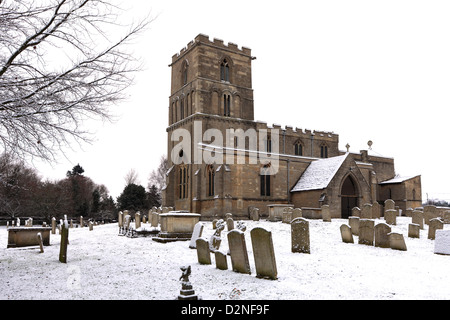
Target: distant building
<point>228,162</point>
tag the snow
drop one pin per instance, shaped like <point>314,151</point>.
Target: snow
<point>102,265</point>
<point>319,173</point>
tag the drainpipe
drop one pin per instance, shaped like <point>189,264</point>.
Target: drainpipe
<point>288,191</point>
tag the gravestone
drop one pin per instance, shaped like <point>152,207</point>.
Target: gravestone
<point>413,230</point>
<point>296,213</point>
<point>408,212</point>
<point>41,243</point>
<point>442,242</point>
<point>356,212</point>
<point>91,226</point>
<point>137,220</point>
<point>389,204</point>
<point>255,214</point>
<point>214,222</point>
<point>81,222</point>
<point>446,217</point>
<point>120,219</point>
<point>287,215</point>
<point>196,233</point>
<point>53,225</point>
<point>417,218</point>
<point>396,241</point>
<point>263,253</point>
<point>346,234</point>
<point>376,210</point>
<point>203,252</point>
<point>238,251</point>
<point>326,215</point>
<point>381,235</point>
<point>154,218</point>
<point>221,260</point>
<point>215,240</point>
<point>429,212</point>
<point>230,224</point>
<point>366,211</point>
<point>390,216</point>
<point>433,225</point>
<point>354,225</point>
<point>300,236</point>
<point>366,232</point>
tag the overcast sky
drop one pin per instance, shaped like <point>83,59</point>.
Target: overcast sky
<point>367,70</point>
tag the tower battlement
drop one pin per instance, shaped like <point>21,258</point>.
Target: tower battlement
<point>202,39</point>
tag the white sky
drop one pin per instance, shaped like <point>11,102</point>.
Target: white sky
<point>367,70</point>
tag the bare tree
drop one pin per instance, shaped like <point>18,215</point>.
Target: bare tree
<point>158,176</point>
<point>131,177</point>
<point>59,67</point>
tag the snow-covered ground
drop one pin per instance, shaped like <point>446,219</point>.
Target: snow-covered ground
<point>103,265</point>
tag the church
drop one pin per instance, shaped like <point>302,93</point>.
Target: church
<point>221,160</point>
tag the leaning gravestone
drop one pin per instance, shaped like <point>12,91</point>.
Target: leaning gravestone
<point>433,225</point>
<point>366,232</point>
<point>390,216</point>
<point>326,215</point>
<point>381,235</point>
<point>346,234</point>
<point>263,253</point>
<point>300,236</point>
<point>203,253</point>
<point>354,225</point>
<point>396,241</point>
<point>196,233</point>
<point>417,218</point>
<point>442,242</point>
<point>238,251</point>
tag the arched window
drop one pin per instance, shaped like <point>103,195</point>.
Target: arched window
<point>324,151</point>
<point>210,172</point>
<point>265,181</point>
<point>226,105</point>
<point>225,71</point>
<point>298,148</point>
<point>183,182</point>
<point>182,109</point>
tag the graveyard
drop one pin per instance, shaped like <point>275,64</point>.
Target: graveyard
<point>104,265</point>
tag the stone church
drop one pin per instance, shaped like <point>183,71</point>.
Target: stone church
<point>222,160</point>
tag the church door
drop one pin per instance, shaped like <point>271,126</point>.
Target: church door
<point>349,197</point>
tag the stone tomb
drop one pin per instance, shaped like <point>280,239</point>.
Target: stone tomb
<point>263,253</point>
<point>300,236</point>
<point>346,234</point>
<point>27,236</point>
<point>238,251</point>
<point>176,226</point>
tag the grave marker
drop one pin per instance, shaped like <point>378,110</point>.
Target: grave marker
<point>354,225</point>
<point>396,241</point>
<point>366,232</point>
<point>221,260</point>
<point>381,235</point>
<point>326,215</point>
<point>433,225</point>
<point>196,233</point>
<point>413,230</point>
<point>263,253</point>
<point>390,216</point>
<point>203,252</point>
<point>417,218</point>
<point>346,234</point>
<point>300,236</point>
<point>442,242</point>
<point>238,251</point>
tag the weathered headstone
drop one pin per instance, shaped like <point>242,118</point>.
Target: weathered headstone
<point>429,212</point>
<point>326,215</point>
<point>203,252</point>
<point>356,212</point>
<point>389,204</point>
<point>390,216</point>
<point>221,260</point>
<point>216,239</point>
<point>296,213</point>
<point>255,214</point>
<point>120,219</point>
<point>196,233</point>
<point>413,230</point>
<point>376,210</point>
<point>408,212</point>
<point>346,234</point>
<point>53,225</point>
<point>91,226</point>
<point>263,253</point>
<point>154,218</point>
<point>41,244</point>
<point>396,241</point>
<point>442,242</point>
<point>214,222</point>
<point>238,251</point>
<point>230,224</point>
<point>366,232</point>
<point>137,220</point>
<point>300,236</point>
<point>64,241</point>
<point>446,217</point>
<point>287,215</point>
<point>381,235</point>
<point>417,218</point>
<point>354,225</point>
<point>433,225</point>
<point>81,222</point>
<point>366,211</point>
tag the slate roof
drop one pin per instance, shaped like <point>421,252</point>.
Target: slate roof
<point>319,173</point>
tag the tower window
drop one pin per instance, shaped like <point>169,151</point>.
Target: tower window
<point>210,172</point>
<point>225,71</point>
<point>298,149</point>
<point>182,109</point>
<point>265,181</point>
<point>183,178</point>
<point>185,73</point>
<point>226,105</point>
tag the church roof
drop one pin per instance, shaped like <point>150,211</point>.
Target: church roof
<point>319,173</point>
<point>398,179</point>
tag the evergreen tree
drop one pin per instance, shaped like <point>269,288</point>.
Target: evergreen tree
<point>132,198</point>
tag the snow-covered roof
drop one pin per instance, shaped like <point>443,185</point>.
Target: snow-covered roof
<point>319,173</point>
<point>397,179</point>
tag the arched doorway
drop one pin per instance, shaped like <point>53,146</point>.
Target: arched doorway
<point>349,196</point>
